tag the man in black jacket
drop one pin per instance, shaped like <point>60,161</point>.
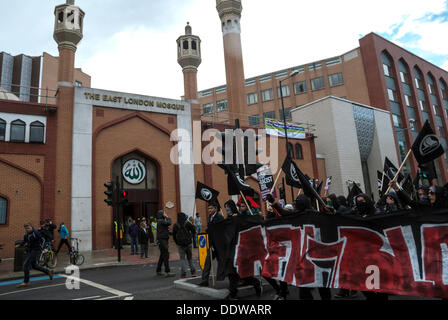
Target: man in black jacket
<point>182,235</point>
<point>143,238</point>
<point>214,217</point>
<point>33,241</point>
<point>163,235</point>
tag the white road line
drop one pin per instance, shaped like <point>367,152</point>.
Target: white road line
<point>129,298</point>
<point>104,263</point>
<point>87,298</point>
<point>115,292</point>
<point>24,290</point>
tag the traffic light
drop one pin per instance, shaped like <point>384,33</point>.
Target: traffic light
<point>123,196</point>
<point>428,171</point>
<point>109,193</point>
<point>251,152</point>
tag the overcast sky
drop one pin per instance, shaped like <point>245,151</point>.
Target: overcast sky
<point>130,45</point>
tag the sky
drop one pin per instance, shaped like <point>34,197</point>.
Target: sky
<point>130,45</point>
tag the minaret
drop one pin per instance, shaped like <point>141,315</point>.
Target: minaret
<point>67,34</point>
<point>189,58</point>
<point>230,15</point>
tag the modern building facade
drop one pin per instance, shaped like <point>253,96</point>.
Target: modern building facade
<point>378,73</point>
<point>34,79</point>
<point>353,138</point>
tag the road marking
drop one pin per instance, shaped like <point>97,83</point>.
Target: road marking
<point>104,263</point>
<point>24,290</point>
<point>115,292</point>
<point>7,283</point>
<point>129,298</point>
<point>87,298</point>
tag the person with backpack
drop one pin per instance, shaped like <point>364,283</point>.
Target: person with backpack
<point>182,235</point>
<point>63,232</point>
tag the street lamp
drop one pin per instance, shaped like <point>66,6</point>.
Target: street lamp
<point>295,72</point>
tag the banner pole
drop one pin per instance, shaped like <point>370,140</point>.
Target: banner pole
<point>276,180</point>
<point>399,170</point>
<point>211,264</point>
<point>247,205</point>
<point>300,192</point>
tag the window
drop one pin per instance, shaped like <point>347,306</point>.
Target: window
<point>269,115</point>
<point>287,113</point>
<point>434,109</point>
<point>290,150</point>
<point>205,93</point>
<point>193,45</point>
<point>412,124</point>
<point>334,61</point>
<point>300,87</point>
<point>208,108</point>
<point>299,154</point>
<point>387,70</point>
<point>2,129</point>
<point>335,79</point>
<point>408,100</point>
<point>252,98</point>
<point>314,66</point>
<point>422,104</point>
<point>78,83</point>
<point>265,78</point>
<point>404,77</point>
<point>254,120</point>
<point>18,131</point>
<point>221,89</point>
<point>317,83</point>
<point>37,130</point>
<point>397,121</point>
<point>285,91</point>
<point>267,95</point>
<point>392,95</point>
<point>185,45</point>
<point>3,210</point>
<point>221,105</point>
<point>281,74</point>
<point>250,82</point>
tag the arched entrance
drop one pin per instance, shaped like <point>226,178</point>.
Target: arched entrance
<point>139,177</point>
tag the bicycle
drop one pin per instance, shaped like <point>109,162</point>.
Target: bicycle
<point>76,258</point>
<point>48,257</point>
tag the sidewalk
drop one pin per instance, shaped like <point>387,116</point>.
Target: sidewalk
<point>94,259</point>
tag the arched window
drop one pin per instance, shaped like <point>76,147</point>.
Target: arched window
<point>290,150</point>
<point>3,210</point>
<point>37,130</point>
<point>18,131</point>
<point>299,154</point>
<point>2,129</point>
<point>193,45</point>
<point>185,45</point>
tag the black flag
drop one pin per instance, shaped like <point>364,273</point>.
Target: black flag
<point>294,173</point>
<point>206,193</point>
<point>353,193</point>
<point>408,186</point>
<point>292,178</point>
<point>235,185</point>
<point>427,146</point>
<point>390,170</point>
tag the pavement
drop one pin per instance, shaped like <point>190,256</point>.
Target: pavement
<point>94,259</point>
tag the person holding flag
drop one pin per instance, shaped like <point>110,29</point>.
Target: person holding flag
<point>244,209</point>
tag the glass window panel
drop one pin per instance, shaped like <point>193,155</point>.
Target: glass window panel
<point>18,131</point>
<point>3,210</point>
<point>317,83</point>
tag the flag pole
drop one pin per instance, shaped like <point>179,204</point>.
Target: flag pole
<point>211,265</point>
<point>399,169</point>
<point>247,205</point>
<point>276,180</point>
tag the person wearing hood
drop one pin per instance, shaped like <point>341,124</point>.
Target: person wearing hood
<point>182,235</point>
<point>364,206</point>
<point>231,209</point>
<point>392,204</point>
<point>163,235</point>
<point>244,210</point>
<point>436,196</point>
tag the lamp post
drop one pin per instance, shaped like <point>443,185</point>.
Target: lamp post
<point>283,109</point>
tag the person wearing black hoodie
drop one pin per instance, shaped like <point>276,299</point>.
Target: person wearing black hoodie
<point>364,206</point>
<point>182,235</point>
<point>437,198</point>
<point>163,235</point>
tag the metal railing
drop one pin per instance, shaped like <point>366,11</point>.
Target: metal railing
<point>43,94</point>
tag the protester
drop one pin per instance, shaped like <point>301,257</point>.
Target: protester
<point>163,235</point>
<point>143,238</point>
<point>64,234</point>
<point>34,242</point>
<point>364,206</point>
<point>392,204</point>
<point>45,233</point>
<point>182,233</point>
<point>214,217</point>
<point>50,227</point>
<point>231,208</point>
<point>436,195</point>
<point>193,234</point>
<point>198,223</point>
<point>154,229</point>
<point>133,231</point>
<point>244,210</point>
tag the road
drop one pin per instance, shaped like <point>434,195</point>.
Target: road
<point>137,282</point>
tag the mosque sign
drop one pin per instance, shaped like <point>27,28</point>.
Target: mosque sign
<point>134,171</point>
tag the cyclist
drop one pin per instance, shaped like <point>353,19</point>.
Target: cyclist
<point>34,241</point>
